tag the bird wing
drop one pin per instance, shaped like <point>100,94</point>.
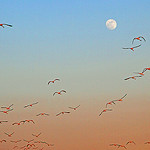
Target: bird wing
<point>57,79</point>
<point>124,96</point>
<point>133,40</point>
<point>8,25</point>
<point>38,114</point>
<point>137,46</point>
<point>127,78</point>
<point>78,106</point>
<point>3,107</point>
<point>125,48</point>
<point>58,114</point>
<point>71,107</point>
<point>63,91</point>
<point>11,105</point>
<point>142,38</point>
<point>35,103</point>
<point>54,93</point>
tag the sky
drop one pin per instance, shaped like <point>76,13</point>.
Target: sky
<point>69,40</point>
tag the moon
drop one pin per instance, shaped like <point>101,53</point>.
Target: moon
<point>111,24</point>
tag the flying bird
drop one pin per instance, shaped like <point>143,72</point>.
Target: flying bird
<point>133,77</point>
<point>139,38</point>
<point>6,112</point>
<point>42,114</point>
<point>16,141</point>
<point>30,121</point>
<point>36,135</point>
<point>59,92</point>
<point>132,48</point>
<point>121,99</point>
<point>2,25</point>
<point>31,105</point>
<point>53,81</point>
<point>62,113</point>
<point>8,108</point>
<point>9,135</point>
<point>123,146</point>
<point>28,141</point>
<point>129,142</point>
<point>105,110</point>
<point>74,108</point>
<point>18,123</point>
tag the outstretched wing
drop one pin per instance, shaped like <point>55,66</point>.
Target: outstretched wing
<point>58,114</point>
<point>125,48</point>
<point>133,40</point>
<point>77,106</point>
<point>11,105</point>
<point>137,46</point>
<point>35,103</point>
<point>54,93</point>
<point>142,38</point>
<point>8,25</point>
<point>124,96</point>
<point>127,78</point>
<point>63,91</point>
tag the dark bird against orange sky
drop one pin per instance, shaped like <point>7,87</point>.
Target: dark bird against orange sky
<point>74,108</point>
<point>63,112</point>
<point>1,141</point>
<point>105,110</point>
<point>30,105</point>
<point>6,112</point>
<point>9,135</point>
<point>42,114</point>
<point>59,92</point>
<point>8,108</point>
<point>53,81</point>
<point>2,25</point>
<point>28,141</point>
<point>129,142</point>
<point>36,135</point>
<point>132,48</point>
<point>16,141</point>
<point>139,38</point>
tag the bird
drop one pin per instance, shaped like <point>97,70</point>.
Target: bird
<point>42,114</point>
<point>30,121</point>
<point>2,25</point>
<point>123,146</point>
<point>9,135</point>
<point>121,99</point>
<point>53,81</point>
<point>74,108</point>
<point>130,142</point>
<point>36,135</point>
<point>139,38</point>
<point>105,111</point>
<point>59,92</point>
<point>110,103</point>
<point>132,48</point>
<point>6,112</point>
<point>63,112</point>
<point>18,123</point>
<point>16,141</point>
<point>2,141</point>
<point>28,141</point>
<point>2,122</point>
<point>45,143</point>
<point>8,108</point>
<point>31,105</point>
<point>133,77</point>
<point>113,144</point>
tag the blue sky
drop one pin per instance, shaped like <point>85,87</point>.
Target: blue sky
<point>69,38</point>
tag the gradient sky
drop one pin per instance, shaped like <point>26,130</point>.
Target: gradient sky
<point>68,39</point>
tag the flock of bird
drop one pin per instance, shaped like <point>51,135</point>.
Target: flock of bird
<point>32,144</point>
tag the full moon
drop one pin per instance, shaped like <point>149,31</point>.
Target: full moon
<point>111,24</point>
